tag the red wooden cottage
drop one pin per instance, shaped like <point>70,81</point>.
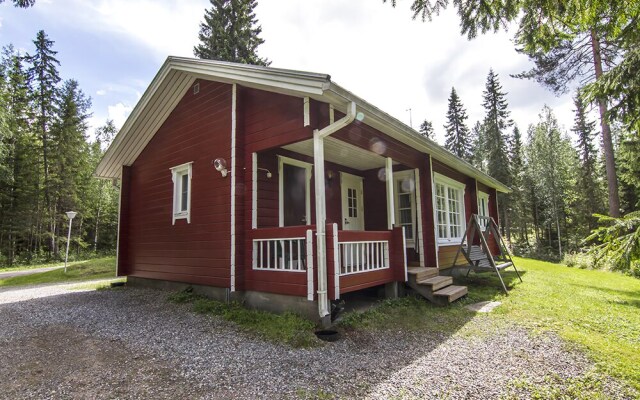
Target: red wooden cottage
<point>282,189</point>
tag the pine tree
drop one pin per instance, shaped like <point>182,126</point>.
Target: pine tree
<point>477,152</point>
<point>230,32</point>
<point>495,140</point>
<point>44,77</point>
<point>517,199</point>
<point>589,186</point>
<point>457,133</point>
<point>426,129</point>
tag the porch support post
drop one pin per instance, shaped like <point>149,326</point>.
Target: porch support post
<point>321,212</point>
<point>318,160</point>
<point>391,214</point>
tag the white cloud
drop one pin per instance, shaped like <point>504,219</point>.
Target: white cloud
<point>101,92</point>
<point>119,113</point>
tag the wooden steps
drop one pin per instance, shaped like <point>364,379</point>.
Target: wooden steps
<point>451,293</point>
<point>434,287</point>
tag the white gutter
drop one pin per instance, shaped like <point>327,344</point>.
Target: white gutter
<point>234,97</point>
<point>321,211</point>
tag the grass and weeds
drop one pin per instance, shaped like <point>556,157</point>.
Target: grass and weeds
<point>593,310</point>
<point>86,270</point>
<point>17,268</point>
<point>590,386</point>
<point>287,328</point>
<point>102,285</point>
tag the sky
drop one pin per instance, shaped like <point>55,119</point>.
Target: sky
<point>114,48</point>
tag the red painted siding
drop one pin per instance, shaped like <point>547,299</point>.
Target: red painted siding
<point>198,130</point>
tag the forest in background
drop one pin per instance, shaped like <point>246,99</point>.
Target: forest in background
<point>564,183</point>
<point>47,163</point>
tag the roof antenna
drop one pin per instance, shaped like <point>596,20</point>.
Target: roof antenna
<point>410,119</point>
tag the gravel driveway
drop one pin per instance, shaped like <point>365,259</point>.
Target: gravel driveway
<point>132,343</point>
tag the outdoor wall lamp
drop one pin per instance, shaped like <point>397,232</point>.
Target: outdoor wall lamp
<point>220,164</point>
<point>269,174</point>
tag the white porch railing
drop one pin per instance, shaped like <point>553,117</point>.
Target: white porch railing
<point>363,256</point>
<point>287,254</point>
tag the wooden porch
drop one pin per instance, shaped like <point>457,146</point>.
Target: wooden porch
<point>283,260</point>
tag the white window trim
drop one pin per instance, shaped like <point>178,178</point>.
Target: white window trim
<point>175,172</point>
<point>452,183</point>
<point>481,196</point>
<point>297,163</point>
<point>398,176</point>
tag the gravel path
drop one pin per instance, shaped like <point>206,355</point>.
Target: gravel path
<point>11,274</point>
<point>132,343</point>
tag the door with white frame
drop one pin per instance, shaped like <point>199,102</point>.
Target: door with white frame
<point>352,202</point>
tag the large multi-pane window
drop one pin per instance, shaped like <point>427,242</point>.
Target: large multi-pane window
<point>449,209</point>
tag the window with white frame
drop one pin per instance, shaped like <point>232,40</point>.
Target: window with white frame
<point>181,176</point>
<point>406,204</point>
<point>449,209</point>
<point>483,208</point>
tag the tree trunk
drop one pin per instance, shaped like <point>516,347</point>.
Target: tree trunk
<point>607,143</point>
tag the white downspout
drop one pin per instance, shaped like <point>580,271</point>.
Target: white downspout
<point>321,212</point>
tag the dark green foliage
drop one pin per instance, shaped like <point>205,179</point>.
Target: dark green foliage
<point>457,133</point>
<point>22,3</point>
<point>230,32</point>
<point>618,242</point>
<point>496,122</point>
<point>591,196</point>
<point>629,170</point>
<point>47,163</point>
<point>426,129</point>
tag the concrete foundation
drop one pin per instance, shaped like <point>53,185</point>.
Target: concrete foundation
<point>277,303</point>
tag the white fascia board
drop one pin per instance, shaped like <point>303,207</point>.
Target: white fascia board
<point>378,119</point>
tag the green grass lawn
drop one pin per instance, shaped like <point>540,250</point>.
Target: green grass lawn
<point>34,266</point>
<point>92,269</point>
<point>598,312</point>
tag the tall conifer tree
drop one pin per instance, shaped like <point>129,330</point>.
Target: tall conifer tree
<point>457,133</point>
<point>584,130</point>
<point>44,77</point>
<point>230,32</point>
<point>426,129</point>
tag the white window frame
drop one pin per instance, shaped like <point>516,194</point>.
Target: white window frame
<point>307,187</point>
<point>460,187</point>
<point>483,196</point>
<point>398,177</point>
<point>176,174</point>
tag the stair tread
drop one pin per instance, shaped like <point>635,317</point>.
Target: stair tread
<point>417,270</point>
<point>451,290</point>
<point>435,280</point>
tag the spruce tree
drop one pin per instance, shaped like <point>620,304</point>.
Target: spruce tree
<point>477,152</point>
<point>457,133</point>
<point>584,130</point>
<point>44,77</point>
<point>230,32</point>
<point>22,3</point>
<point>426,129</point>
<point>495,141</point>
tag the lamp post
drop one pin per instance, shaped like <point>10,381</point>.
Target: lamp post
<point>70,215</point>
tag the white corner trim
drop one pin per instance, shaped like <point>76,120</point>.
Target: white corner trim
<point>307,118</point>
<point>332,114</point>
<point>336,262</point>
<point>176,212</point>
<point>254,190</point>
<point>309,264</point>
<point>435,212</point>
<point>119,223</point>
<point>234,98</point>
<point>391,209</point>
<point>419,217</point>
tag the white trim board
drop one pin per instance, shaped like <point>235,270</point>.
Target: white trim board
<point>308,168</point>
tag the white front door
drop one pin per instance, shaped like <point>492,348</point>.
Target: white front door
<point>352,202</point>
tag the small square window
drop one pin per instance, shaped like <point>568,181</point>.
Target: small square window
<point>181,176</point>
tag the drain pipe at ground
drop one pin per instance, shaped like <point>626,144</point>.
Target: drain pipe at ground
<point>321,212</point>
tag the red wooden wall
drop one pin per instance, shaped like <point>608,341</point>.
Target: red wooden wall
<point>198,130</point>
